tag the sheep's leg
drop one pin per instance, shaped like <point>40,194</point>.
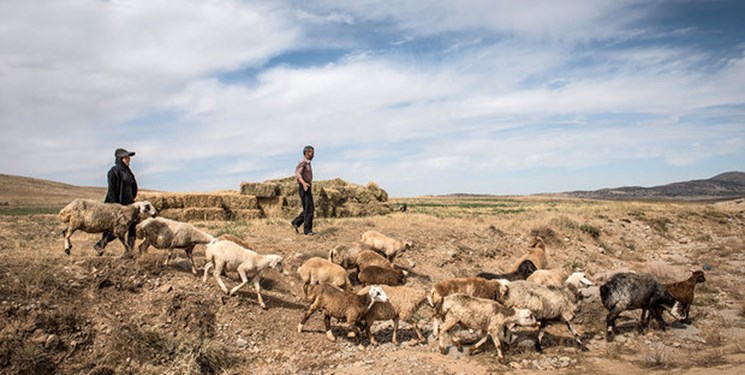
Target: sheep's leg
<point>127,248</point>
<point>329,333</point>
<point>610,323</point>
<point>576,336</point>
<point>644,321</point>
<point>244,281</point>
<point>448,324</point>
<point>394,339</point>
<point>168,257</point>
<point>497,343</point>
<point>420,337</point>
<point>257,286</point>
<point>686,319</point>
<point>313,307</point>
<point>68,233</point>
<point>658,317</point>
<point>368,324</point>
<point>144,245</point>
<point>541,331</point>
<point>478,344</point>
<point>216,274</point>
<point>207,267</point>
<point>190,253</point>
<point>357,333</point>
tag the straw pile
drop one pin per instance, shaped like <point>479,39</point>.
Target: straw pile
<point>332,198</point>
<point>204,206</point>
<point>272,198</point>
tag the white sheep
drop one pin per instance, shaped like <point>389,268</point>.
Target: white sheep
<point>485,315</point>
<point>229,256</point>
<point>548,304</point>
<point>341,305</point>
<point>403,302</point>
<point>97,217</point>
<point>164,233</point>
<point>318,270</point>
<point>388,246</point>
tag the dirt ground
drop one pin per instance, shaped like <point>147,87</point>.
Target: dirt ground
<point>105,315</point>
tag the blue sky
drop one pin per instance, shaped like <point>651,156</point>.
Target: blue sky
<point>422,97</point>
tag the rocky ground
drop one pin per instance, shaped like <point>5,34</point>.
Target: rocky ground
<point>88,314</point>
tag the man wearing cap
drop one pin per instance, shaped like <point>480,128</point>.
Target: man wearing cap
<point>122,190</point>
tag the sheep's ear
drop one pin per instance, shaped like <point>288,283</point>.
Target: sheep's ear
<point>502,292</point>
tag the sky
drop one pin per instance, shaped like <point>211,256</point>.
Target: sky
<point>422,97</point>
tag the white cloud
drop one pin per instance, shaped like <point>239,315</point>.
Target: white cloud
<point>524,88</point>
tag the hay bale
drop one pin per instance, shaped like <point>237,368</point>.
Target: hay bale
<point>272,207</point>
<point>379,194</point>
<point>172,213</point>
<point>246,214</point>
<point>260,189</point>
<point>191,200</point>
<point>201,213</point>
<point>236,202</point>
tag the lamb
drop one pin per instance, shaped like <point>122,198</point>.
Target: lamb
<point>318,270</point>
<point>682,291</point>
<point>231,256</point>
<point>388,246</point>
<point>537,255</point>
<point>96,217</point>
<point>554,277</point>
<point>548,304</point>
<point>403,302</point>
<point>630,291</point>
<point>169,234</point>
<point>341,305</point>
<point>481,314</point>
<point>472,286</point>
<point>525,269</point>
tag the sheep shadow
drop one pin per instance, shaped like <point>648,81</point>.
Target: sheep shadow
<point>249,298</point>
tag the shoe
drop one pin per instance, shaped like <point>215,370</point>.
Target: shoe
<point>295,227</point>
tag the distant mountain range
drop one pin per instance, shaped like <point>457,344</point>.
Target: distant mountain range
<point>722,186</point>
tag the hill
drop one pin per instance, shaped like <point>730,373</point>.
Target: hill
<point>722,186</point>
<point>17,191</point>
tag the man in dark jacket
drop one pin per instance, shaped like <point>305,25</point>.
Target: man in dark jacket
<point>122,190</point>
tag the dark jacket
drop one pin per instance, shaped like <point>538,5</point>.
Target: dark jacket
<point>122,184</point>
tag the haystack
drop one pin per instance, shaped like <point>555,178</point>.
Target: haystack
<point>272,198</point>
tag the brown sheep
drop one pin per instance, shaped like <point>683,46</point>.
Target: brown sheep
<point>537,255</point>
<point>403,302</point>
<point>386,245</point>
<point>318,270</point>
<point>341,305</point>
<point>381,275</point>
<point>682,291</point>
<point>472,286</point>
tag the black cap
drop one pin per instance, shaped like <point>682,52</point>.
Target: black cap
<point>120,153</point>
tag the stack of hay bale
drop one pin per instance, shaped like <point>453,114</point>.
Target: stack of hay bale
<point>204,206</point>
<point>272,199</point>
<point>332,198</point>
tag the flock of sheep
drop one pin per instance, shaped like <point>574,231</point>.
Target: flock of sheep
<point>529,295</point>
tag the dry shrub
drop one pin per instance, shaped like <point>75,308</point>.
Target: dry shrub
<point>656,356</point>
<point>30,358</point>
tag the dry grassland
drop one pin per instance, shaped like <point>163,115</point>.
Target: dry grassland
<point>104,315</point>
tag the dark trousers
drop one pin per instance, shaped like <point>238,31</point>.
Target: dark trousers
<point>107,236</point>
<point>305,217</point>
